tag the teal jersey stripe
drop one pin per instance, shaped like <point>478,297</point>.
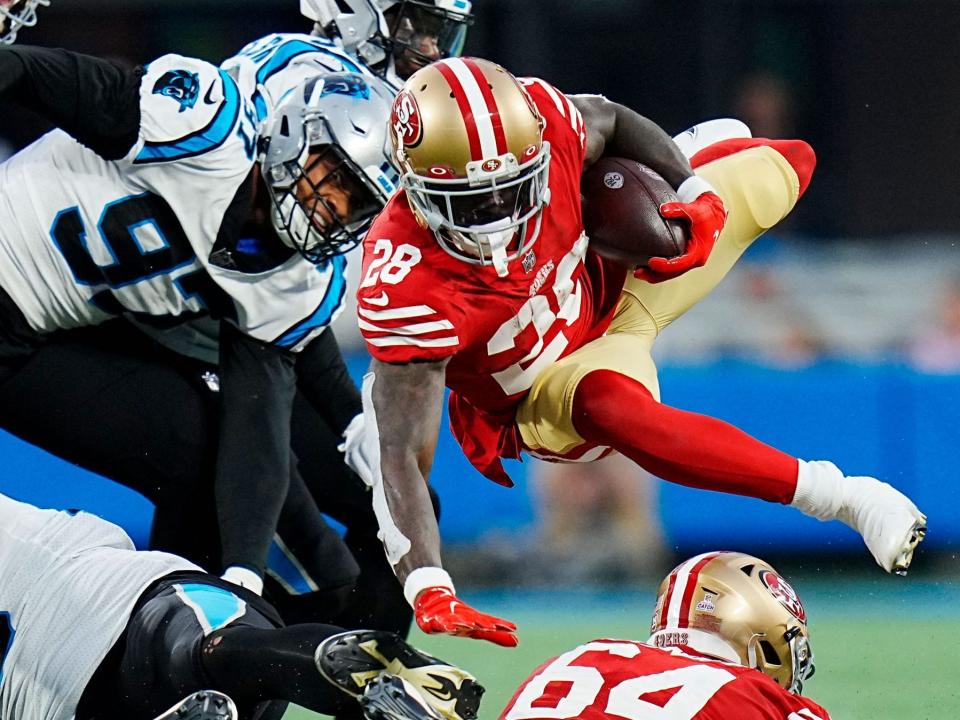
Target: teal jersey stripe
<point>284,54</point>
<point>324,313</point>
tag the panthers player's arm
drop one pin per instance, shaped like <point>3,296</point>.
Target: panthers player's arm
<point>95,101</point>
<point>258,381</point>
<point>408,402</point>
<point>323,378</point>
<point>615,130</point>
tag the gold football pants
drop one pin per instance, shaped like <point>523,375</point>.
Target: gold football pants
<point>759,187</point>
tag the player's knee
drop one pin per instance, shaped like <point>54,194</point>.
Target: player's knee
<point>602,397</point>
<point>797,153</point>
<point>801,157</point>
<point>761,185</point>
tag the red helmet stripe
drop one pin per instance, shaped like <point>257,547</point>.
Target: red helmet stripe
<point>492,108</point>
<point>466,111</point>
<point>691,588</point>
<point>664,608</point>
<point>683,583</point>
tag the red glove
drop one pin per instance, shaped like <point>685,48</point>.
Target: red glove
<point>707,217</point>
<point>438,610</point>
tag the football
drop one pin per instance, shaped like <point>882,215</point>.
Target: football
<point>621,213</point>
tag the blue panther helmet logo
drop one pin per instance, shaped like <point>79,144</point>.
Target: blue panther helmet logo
<point>345,84</point>
<point>182,86</point>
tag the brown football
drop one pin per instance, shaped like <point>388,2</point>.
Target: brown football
<point>621,213</point>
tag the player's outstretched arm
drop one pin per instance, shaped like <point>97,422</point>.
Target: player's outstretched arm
<point>404,401</point>
<point>95,101</point>
<point>615,130</point>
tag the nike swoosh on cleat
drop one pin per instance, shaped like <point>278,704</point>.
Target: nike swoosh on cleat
<point>445,690</point>
<point>381,300</point>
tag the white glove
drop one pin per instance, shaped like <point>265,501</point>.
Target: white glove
<point>361,450</point>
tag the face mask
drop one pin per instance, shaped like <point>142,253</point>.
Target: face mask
<point>489,242</point>
<point>291,224</point>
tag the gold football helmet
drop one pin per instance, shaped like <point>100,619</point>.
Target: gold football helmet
<point>738,608</point>
<point>469,145</point>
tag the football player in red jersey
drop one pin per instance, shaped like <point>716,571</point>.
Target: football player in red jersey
<point>729,640</point>
<point>478,275</point>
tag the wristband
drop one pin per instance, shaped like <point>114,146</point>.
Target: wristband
<point>244,577</point>
<point>423,578</point>
<point>692,188</point>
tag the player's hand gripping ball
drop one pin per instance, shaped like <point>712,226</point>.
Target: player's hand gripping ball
<point>621,213</point>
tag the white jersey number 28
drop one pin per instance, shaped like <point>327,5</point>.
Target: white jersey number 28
<point>390,266</point>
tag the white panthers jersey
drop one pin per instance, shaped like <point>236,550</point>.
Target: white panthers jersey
<point>83,239</point>
<point>70,583</point>
<point>265,70</point>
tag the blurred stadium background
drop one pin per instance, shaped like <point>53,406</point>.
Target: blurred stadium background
<point>838,336</point>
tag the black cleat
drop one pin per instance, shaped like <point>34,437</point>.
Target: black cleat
<point>389,697</point>
<point>202,705</point>
<point>352,659</point>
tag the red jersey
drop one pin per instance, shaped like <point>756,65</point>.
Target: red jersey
<point>418,303</point>
<point>620,679</point>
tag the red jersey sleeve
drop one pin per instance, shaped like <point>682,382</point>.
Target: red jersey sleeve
<point>564,121</point>
<point>403,312</point>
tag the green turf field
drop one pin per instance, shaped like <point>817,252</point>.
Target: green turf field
<point>885,650</point>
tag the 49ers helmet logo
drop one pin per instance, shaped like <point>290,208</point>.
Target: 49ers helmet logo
<point>784,594</point>
<point>405,120</point>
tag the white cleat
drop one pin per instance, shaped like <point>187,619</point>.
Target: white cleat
<point>694,139</point>
<point>891,525</point>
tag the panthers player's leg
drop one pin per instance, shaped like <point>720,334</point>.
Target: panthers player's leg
<point>118,407</point>
<point>114,402</point>
<point>192,632</point>
<point>576,407</point>
<point>311,573</point>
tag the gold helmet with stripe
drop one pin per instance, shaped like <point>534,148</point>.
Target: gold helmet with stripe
<point>469,144</point>
<point>735,607</point>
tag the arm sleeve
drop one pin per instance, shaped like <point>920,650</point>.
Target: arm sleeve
<point>253,462</point>
<point>323,378</point>
<point>95,101</point>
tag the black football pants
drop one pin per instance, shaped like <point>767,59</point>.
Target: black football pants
<point>172,647</point>
<point>118,404</point>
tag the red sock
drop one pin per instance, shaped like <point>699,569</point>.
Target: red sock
<point>683,447</point>
<point>798,153</point>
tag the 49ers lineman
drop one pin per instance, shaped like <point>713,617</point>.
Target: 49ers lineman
<point>729,640</point>
<point>478,275</point>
